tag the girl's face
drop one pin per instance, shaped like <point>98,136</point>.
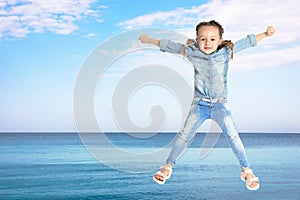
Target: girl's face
<point>208,39</point>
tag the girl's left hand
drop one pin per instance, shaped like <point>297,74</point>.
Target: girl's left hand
<point>270,31</point>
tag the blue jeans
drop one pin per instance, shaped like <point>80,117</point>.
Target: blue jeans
<point>199,112</point>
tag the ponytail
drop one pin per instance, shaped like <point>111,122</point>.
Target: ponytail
<point>190,41</point>
<point>228,44</point>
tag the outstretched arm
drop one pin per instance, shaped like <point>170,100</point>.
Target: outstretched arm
<point>269,32</point>
<point>147,40</point>
<point>164,45</point>
<point>251,40</point>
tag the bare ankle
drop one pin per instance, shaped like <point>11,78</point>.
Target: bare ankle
<point>169,165</point>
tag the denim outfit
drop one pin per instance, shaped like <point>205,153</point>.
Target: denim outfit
<point>210,95</point>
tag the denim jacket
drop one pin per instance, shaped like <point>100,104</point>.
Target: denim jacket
<point>210,71</point>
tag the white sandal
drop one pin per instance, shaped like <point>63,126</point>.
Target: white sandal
<point>249,182</point>
<point>163,176</point>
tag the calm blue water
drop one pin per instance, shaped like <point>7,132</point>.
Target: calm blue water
<point>58,166</point>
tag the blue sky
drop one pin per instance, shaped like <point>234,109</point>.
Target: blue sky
<point>43,45</point>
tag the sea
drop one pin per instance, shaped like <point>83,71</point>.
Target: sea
<point>121,166</point>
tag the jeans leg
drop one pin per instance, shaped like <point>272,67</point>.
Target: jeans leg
<point>222,115</point>
<point>194,119</point>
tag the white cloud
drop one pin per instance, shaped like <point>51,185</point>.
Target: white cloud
<point>238,18</point>
<point>91,35</point>
<point>20,17</point>
<point>285,57</point>
<point>178,17</point>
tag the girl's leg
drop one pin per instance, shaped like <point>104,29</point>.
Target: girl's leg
<point>222,115</point>
<point>198,113</point>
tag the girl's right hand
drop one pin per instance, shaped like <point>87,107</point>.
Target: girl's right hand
<point>144,38</point>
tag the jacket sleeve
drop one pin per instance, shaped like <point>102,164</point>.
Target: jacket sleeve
<point>249,41</point>
<point>166,45</point>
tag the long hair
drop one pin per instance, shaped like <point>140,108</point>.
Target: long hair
<point>224,43</point>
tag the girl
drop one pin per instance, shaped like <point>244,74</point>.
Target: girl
<point>210,55</point>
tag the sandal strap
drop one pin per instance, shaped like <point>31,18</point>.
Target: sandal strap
<point>161,174</point>
<point>247,171</point>
<point>254,179</point>
<point>166,167</point>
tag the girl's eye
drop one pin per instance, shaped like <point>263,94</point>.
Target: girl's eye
<point>213,39</point>
<point>202,39</point>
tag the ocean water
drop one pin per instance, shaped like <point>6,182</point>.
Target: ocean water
<point>60,166</point>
